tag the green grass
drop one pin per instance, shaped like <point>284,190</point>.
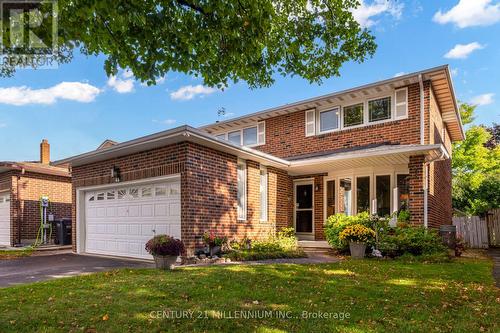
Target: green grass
<point>379,295</point>
<point>12,254</point>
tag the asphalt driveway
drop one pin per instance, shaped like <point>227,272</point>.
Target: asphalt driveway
<point>45,267</point>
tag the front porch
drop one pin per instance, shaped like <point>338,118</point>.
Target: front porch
<point>382,180</point>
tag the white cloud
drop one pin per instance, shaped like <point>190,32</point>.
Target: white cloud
<point>73,91</point>
<point>165,122</point>
<point>123,83</point>
<point>462,51</point>
<point>483,99</point>
<point>399,74</point>
<point>189,92</point>
<point>366,12</point>
<point>454,71</point>
<point>469,13</point>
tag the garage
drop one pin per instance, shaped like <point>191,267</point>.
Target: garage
<point>119,220</point>
<point>5,218</point>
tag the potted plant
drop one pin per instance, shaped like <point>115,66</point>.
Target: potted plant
<point>357,235</point>
<point>165,250</point>
<point>214,242</point>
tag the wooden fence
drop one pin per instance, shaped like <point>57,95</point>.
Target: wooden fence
<point>474,231</point>
<point>493,223</point>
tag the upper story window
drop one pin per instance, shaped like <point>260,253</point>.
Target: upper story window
<point>353,115</point>
<point>379,109</point>
<point>249,136</point>
<point>358,113</point>
<point>329,120</point>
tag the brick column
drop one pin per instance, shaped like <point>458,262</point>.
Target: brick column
<point>416,200</point>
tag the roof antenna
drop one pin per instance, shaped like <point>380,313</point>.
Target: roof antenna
<point>221,112</point>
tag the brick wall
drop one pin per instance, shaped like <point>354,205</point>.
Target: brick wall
<point>208,190</point>
<point>416,200</point>
<point>285,135</point>
<point>25,206</point>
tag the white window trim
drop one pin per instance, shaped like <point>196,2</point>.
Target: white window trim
<point>391,110</point>
<point>264,217</point>
<point>243,209</point>
<point>226,134</point>
<point>335,108</point>
<point>396,104</point>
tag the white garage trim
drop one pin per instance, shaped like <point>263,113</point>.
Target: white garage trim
<point>5,227</point>
<point>80,204</point>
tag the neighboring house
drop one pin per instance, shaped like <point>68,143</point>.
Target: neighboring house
<point>379,148</point>
<point>22,184</point>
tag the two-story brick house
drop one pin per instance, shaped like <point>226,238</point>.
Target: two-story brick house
<point>380,148</point>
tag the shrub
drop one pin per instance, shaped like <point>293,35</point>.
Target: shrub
<point>357,233</point>
<point>335,224</point>
<point>412,240</point>
<point>404,216</point>
<point>164,245</point>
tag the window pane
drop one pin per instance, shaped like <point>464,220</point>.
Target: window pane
<point>345,194</point>
<point>379,109</point>
<point>234,137</point>
<point>403,184</point>
<point>330,198</point>
<point>133,192</point>
<point>304,196</point>
<point>221,136</point>
<point>146,192</point>
<point>241,191</point>
<point>303,221</point>
<point>353,115</point>
<point>160,191</point>
<point>363,194</point>
<point>263,195</point>
<point>329,120</point>
<point>100,196</point>
<point>250,136</point>
<point>383,190</point>
<point>110,195</point>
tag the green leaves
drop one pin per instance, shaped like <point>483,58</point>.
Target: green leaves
<point>476,168</point>
<point>219,41</point>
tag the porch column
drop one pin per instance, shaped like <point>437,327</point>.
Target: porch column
<point>416,197</point>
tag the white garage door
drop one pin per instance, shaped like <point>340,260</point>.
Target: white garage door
<point>120,220</point>
<point>5,218</point>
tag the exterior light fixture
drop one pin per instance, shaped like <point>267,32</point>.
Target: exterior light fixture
<point>115,174</point>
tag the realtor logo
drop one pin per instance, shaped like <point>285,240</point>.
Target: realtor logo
<point>28,35</point>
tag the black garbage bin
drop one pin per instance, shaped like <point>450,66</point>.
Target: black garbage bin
<point>63,231</point>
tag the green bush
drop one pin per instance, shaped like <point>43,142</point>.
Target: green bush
<point>410,240</point>
<point>281,245</point>
<point>335,224</point>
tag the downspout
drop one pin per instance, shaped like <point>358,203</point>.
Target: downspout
<point>422,122</point>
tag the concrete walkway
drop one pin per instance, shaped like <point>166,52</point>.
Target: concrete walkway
<point>494,253</point>
<point>49,265</point>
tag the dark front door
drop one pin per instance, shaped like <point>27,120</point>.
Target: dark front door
<point>303,208</point>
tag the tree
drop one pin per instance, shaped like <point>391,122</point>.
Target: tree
<point>476,168</point>
<point>219,41</point>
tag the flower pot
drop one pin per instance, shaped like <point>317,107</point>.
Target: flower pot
<point>165,262</point>
<point>214,250</point>
<point>357,249</point>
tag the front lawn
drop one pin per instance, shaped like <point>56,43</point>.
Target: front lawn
<point>13,254</point>
<point>378,296</point>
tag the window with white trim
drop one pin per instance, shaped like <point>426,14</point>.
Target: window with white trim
<point>310,122</point>
<point>329,120</point>
<point>353,115</point>
<point>401,98</point>
<point>379,109</point>
<point>248,136</point>
<point>263,193</point>
<point>242,190</point>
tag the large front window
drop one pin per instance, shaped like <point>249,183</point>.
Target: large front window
<point>383,192</point>
<point>379,109</point>
<point>362,194</point>
<point>330,198</point>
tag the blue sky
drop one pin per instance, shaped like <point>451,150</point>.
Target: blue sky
<point>411,35</point>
